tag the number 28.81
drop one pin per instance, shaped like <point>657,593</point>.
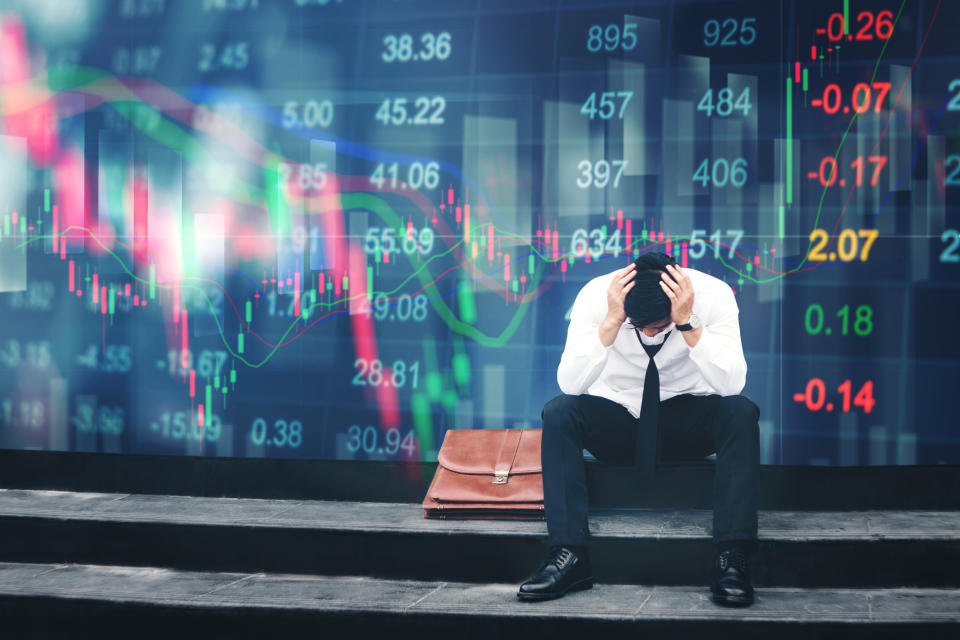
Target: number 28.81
<point>372,373</point>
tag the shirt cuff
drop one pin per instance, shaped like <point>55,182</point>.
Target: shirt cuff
<point>705,349</point>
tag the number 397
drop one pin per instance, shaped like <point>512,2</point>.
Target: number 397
<point>597,174</point>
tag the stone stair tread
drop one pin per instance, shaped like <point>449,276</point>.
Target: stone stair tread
<point>407,518</point>
<point>365,595</point>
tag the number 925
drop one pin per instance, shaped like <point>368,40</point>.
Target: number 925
<point>725,33</point>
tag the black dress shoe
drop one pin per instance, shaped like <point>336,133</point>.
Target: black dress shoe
<point>731,579</point>
<point>562,571</point>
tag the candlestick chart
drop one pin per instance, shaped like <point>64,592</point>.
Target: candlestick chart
<point>335,229</point>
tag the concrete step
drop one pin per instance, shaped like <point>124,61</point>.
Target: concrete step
<point>629,546</point>
<point>678,484</point>
<point>57,598</point>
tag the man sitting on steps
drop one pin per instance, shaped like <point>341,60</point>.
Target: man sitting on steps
<point>631,387</point>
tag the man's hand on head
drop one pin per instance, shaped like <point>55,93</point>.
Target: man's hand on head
<point>676,284</point>
<point>616,293</point>
<point>679,289</point>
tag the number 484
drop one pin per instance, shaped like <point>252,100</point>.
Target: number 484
<point>725,104</point>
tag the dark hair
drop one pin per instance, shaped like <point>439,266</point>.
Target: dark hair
<point>646,303</point>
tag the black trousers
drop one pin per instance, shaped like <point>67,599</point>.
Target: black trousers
<point>691,427</point>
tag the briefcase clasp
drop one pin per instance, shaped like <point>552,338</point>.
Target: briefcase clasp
<point>500,477</point>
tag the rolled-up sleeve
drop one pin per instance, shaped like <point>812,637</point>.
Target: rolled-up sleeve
<point>719,352</point>
<point>584,356</point>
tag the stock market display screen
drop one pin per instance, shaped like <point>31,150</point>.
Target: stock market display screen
<point>334,229</point>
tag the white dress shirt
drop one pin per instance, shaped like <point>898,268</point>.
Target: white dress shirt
<point>714,366</point>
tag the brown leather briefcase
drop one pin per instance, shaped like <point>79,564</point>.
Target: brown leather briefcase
<point>487,474</point>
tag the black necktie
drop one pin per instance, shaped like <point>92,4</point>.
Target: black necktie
<point>648,422</point>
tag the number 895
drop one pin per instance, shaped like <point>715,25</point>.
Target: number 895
<point>612,37</point>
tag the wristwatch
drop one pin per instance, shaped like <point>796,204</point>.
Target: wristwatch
<point>692,323</point>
